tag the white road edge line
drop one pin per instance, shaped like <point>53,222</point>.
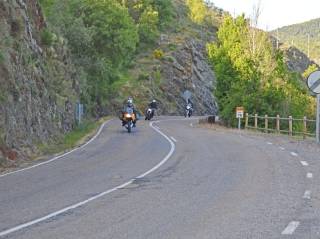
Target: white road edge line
<point>307,194</point>
<point>294,154</point>
<point>79,204</point>
<point>59,156</point>
<point>309,175</point>
<point>304,163</point>
<point>269,143</point>
<point>282,148</point>
<point>292,226</point>
<point>191,124</point>
<point>174,139</point>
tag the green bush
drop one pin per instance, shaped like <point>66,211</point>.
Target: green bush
<point>172,47</point>
<point>157,77</point>
<point>143,76</point>
<point>170,59</point>
<point>148,25</point>
<point>47,38</point>
<point>2,58</point>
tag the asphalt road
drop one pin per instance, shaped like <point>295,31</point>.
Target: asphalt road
<point>171,180</point>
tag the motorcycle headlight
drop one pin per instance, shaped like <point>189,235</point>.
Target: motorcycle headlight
<point>127,115</point>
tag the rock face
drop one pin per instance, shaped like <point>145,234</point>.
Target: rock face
<point>187,69</point>
<point>37,83</point>
<point>296,60</point>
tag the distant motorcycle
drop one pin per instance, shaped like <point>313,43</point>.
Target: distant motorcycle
<point>128,119</point>
<point>149,114</point>
<point>188,111</point>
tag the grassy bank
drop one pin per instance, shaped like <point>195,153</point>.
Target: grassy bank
<point>77,137</point>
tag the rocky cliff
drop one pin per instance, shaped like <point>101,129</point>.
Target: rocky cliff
<point>187,69</point>
<point>178,63</point>
<point>166,78</point>
<point>296,60</point>
<point>38,86</point>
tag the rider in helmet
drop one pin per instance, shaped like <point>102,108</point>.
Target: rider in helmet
<point>130,104</point>
<point>189,103</point>
<point>153,105</point>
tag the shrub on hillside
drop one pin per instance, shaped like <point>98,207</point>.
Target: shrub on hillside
<point>158,54</point>
<point>47,38</point>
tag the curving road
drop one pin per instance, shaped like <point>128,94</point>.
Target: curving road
<point>170,180</point>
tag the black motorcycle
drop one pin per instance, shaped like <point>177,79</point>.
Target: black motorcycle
<point>188,111</point>
<point>149,114</point>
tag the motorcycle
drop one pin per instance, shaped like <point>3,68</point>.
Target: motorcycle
<point>128,119</point>
<point>188,111</point>
<point>149,114</point>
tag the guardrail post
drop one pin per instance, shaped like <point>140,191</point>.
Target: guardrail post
<point>266,123</point>
<point>278,124</point>
<point>290,125</point>
<point>304,127</point>
<point>247,121</point>
<point>256,121</point>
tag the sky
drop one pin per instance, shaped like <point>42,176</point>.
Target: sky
<point>274,13</point>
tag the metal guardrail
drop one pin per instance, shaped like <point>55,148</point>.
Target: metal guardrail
<point>305,124</point>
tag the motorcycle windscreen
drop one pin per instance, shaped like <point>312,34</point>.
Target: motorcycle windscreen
<point>129,110</point>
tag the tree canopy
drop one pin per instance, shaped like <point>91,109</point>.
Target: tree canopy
<point>252,74</point>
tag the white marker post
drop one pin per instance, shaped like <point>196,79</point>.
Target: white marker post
<point>318,119</point>
<point>313,83</point>
<point>239,115</point>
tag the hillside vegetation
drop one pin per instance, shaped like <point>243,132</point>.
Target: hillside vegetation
<point>297,35</point>
<point>252,73</point>
<point>120,47</point>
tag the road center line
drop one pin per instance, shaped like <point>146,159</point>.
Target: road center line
<point>309,175</point>
<point>292,226</point>
<point>79,204</point>
<point>307,194</point>
<point>304,163</point>
<point>174,139</point>
<point>269,143</point>
<point>282,148</point>
<point>294,154</point>
<point>191,124</point>
<point>60,156</point>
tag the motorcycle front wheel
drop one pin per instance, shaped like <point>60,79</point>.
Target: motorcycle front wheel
<point>129,127</point>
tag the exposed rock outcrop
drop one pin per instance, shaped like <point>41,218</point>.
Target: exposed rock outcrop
<point>188,69</point>
<point>296,60</point>
<point>37,84</point>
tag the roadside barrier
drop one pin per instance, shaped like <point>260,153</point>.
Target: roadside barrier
<point>291,126</point>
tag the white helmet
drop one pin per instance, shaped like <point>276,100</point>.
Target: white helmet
<point>130,101</point>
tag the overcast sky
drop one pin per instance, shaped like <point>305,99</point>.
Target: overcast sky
<point>274,13</point>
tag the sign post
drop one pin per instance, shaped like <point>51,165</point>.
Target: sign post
<point>79,113</point>
<point>313,83</point>
<point>318,119</point>
<point>239,115</point>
